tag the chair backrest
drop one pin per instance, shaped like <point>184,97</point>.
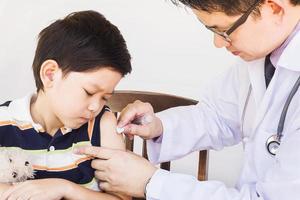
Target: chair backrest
<point>159,102</point>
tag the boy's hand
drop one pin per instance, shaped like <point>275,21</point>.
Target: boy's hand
<point>4,187</point>
<point>150,127</point>
<point>42,189</point>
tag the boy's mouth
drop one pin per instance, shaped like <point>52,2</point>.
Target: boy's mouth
<point>84,119</point>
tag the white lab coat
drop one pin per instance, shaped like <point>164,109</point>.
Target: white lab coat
<point>218,120</point>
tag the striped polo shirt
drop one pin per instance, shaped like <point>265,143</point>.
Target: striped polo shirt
<point>51,156</point>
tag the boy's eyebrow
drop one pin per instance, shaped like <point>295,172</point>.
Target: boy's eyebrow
<point>101,89</point>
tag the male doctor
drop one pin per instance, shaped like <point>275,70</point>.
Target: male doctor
<point>256,102</point>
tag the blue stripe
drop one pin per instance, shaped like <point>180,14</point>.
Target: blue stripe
<point>30,139</point>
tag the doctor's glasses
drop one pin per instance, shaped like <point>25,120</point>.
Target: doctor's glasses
<point>235,25</point>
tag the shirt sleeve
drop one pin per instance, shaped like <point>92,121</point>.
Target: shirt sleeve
<point>211,124</point>
<point>165,185</point>
<point>281,181</point>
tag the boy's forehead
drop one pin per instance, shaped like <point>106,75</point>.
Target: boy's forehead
<point>102,80</point>
<point>99,87</point>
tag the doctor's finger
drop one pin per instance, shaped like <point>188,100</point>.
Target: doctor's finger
<point>99,164</point>
<point>132,111</point>
<point>130,137</point>
<point>98,152</point>
<point>101,175</point>
<point>105,186</point>
<point>139,130</point>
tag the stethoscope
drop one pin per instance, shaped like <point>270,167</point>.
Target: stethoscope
<point>273,142</point>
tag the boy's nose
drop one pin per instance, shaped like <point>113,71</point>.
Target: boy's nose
<point>94,107</point>
<point>220,42</point>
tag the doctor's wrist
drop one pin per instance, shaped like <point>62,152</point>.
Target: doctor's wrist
<point>146,186</point>
<point>148,179</point>
<point>154,188</point>
<point>158,129</point>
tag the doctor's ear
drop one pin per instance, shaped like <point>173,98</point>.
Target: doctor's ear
<point>49,72</point>
<point>277,7</point>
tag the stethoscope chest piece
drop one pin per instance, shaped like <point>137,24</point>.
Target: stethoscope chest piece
<point>273,144</point>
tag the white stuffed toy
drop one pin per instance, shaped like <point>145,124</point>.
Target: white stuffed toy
<point>15,166</point>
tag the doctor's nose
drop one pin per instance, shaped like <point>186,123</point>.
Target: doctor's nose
<point>220,42</point>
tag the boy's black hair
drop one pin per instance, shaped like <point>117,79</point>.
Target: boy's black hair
<point>82,41</point>
<point>229,7</point>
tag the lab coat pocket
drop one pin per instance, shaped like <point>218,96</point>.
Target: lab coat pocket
<point>288,156</point>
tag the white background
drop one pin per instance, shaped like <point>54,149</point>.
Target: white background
<point>172,52</point>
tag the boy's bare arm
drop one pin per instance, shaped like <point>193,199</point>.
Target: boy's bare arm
<point>110,138</point>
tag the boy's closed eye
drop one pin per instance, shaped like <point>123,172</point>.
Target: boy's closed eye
<point>88,92</point>
<point>104,97</point>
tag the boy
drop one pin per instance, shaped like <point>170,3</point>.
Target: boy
<point>78,62</point>
<point>255,103</point>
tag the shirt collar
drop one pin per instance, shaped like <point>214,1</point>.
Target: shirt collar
<point>20,112</point>
<point>286,55</point>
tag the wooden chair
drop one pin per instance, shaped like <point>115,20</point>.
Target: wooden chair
<point>160,102</point>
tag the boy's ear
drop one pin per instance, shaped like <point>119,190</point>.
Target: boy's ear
<point>48,70</point>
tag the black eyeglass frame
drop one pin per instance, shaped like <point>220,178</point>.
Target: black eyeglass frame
<point>236,24</point>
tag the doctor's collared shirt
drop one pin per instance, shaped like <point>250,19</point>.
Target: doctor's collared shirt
<point>217,121</point>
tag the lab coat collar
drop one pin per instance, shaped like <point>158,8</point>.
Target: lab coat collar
<point>290,56</point>
<point>289,60</point>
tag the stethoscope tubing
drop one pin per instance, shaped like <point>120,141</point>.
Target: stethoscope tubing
<point>274,138</point>
<point>286,107</point>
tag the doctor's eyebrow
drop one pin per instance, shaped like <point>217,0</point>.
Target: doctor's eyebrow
<point>212,26</point>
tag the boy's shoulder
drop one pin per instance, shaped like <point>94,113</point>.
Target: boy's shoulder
<point>4,112</point>
<point>14,112</point>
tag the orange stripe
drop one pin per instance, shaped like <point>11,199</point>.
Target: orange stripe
<point>91,128</point>
<point>65,168</point>
<point>23,127</point>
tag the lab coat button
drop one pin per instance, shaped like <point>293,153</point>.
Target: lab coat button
<point>245,139</point>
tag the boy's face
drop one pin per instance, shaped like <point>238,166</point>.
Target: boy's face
<point>79,96</point>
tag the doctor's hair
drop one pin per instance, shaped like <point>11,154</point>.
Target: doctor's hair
<point>82,41</point>
<point>229,7</point>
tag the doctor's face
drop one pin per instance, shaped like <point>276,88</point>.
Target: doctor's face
<point>255,38</point>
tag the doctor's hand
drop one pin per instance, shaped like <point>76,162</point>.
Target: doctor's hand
<point>119,171</point>
<point>138,118</point>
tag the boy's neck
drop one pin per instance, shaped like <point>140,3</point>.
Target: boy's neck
<point>42,114</point>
